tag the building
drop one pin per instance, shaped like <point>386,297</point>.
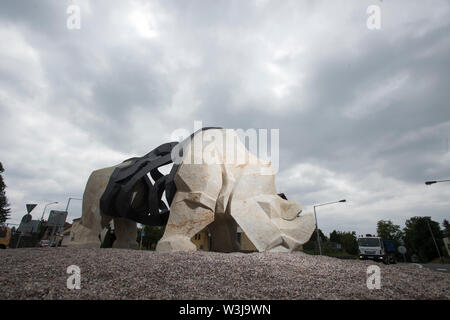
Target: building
<point>244,242</point>
<point>64,236</point>
<point>56,231</point>
<point>203,241</point>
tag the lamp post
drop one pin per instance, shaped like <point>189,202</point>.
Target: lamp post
<point>43,212</point>
<point>435,181</point>
<point>68,201</point>
<point>42,217</point>
<point>434,240</point>
<point>317,226</point>
<point>429,227</point>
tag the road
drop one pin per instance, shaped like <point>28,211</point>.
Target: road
<point>437,267</point>
<point>445,268</point>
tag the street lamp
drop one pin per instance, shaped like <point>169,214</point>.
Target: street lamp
<point>68,201</point>
<point>317,226</point>
<point>434,240</point>
<point>48,204</point>
<point>43,212</point>
<point>429,227</point>
<point>435,181</point>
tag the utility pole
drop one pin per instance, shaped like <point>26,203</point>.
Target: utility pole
<point>429,227</point>
<point>317,226</point>
<point>317,232</point>
<point>42,217</point>
<point>434,240</point>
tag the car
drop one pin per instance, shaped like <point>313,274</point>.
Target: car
<point>44,243</point>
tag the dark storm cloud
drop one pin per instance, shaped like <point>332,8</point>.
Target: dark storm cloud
<point>362,114</point>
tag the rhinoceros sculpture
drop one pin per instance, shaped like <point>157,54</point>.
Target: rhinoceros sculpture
<point>215,183</point>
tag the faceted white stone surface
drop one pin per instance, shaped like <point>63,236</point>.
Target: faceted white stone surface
<point>93,222</point>
<point>221,186</point>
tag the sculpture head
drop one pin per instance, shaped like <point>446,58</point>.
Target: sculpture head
<point>237,185</point>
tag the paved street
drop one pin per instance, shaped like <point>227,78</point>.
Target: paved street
<point>432,266</point>
<point>437,267</point>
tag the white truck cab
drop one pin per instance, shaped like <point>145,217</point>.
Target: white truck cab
<point>375,248</point>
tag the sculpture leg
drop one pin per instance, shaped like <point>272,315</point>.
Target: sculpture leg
<point>86,233</point>
<point>82,237</point>
<point>125,231</point>
<point>193,206</point>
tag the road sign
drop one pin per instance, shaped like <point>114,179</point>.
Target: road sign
<point>26,218</point>
<point>143,234</point>
<point>31,226</point>
<point>30,207</point>
<point>401,249</point>
<point>57,218</point>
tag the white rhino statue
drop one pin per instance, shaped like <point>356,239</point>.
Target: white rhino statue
<point>220,185</point>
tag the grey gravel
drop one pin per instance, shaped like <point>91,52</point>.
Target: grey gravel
<point>40,273</point>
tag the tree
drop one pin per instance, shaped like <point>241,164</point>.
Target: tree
<point>418,239</point>
<point>323,237</point>
<point>346,239</point>
<point>4,205</point>
<point>334,237</point>
<point>312,243</point>
<point>389,231</point>
<point>446,226</point>
<point>349,242</point>
<point>152,236</point>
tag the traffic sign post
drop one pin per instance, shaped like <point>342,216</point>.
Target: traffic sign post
<point>142,236</point>
<point>56,219</point>
<point>402,250</point>
<point>30,207</point>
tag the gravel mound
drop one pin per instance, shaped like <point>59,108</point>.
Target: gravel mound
<point>40,273</point>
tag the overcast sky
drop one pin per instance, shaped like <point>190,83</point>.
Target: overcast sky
<point>363,114</point>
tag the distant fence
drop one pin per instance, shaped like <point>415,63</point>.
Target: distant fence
<point>325,245</point>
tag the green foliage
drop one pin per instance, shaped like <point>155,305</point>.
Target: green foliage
<point>151,237</point>
<point>334,237</point>
<point>331,253</point>
<point>389,231</point>
<point>348,240</point>
<point>312,243</point>
<point>418,239</point>
<point>446,226</point>
<point>4,205</point>
<point>323,237</point>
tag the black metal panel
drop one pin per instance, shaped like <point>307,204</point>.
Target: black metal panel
<point>117,200</point>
